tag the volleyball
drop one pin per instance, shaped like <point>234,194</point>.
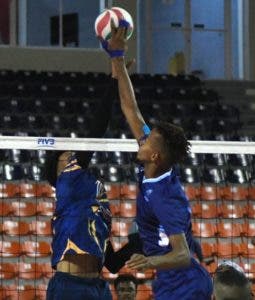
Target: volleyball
<point>103,22</point>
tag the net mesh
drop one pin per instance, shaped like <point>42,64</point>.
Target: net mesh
<point>218,178</point>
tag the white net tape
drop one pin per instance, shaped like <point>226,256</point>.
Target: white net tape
<point>125,145</point>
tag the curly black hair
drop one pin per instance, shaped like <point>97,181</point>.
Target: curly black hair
<point>175,143</point>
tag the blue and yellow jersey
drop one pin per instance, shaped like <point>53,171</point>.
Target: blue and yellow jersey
<point>81,222</point>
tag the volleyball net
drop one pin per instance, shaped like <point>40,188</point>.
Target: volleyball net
<point>218,177</point>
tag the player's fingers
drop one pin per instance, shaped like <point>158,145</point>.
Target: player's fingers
<point>138,266</point>
<point>113,28</point>
<point>120,33</point>
<point>136,257</point>
<point>136,261</point>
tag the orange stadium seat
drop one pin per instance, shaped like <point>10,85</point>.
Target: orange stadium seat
<point>247,250</point>
<point>8,271</point>
<point>211,268</point>
<point>9,190</point>
<point>36,249</point>
<point>112,190</point>
<point>45,208</point>
<point>129,191</point>
<point>210,192</point>
<point>196,210</point>
<point>227,250</point>
<point>249,229</point>
<point>232,211</point>
<point>144,292</point>
<point>249,269</point>
<point>209,211</point>
<point>10,249</point>
<point>235,192</point>
<point>3,295</point>
<point>120,228</point>
<point>23,209</point>
<point>127,209</point>
<point>203,229</point>
<point>251,210</point>
<point>192,192</point>
<point>41,227</point>
<point>251,192</point>
<point>41,292</point>
<point>47,270</point>
<point>44,190</point>
<point>15,228</point>
<point>27,190</point>
<point>228,229</point>
<point>20,292</point>
<point>208,249</point>
<point>29,270</point>
<point>5,208</point>
<point>115,207</point>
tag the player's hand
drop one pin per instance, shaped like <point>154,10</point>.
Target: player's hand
<point>139,262</point>
<point>117,45</point>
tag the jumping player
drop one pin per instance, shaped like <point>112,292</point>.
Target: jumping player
<point>82,221</point>
<point>163,211</point>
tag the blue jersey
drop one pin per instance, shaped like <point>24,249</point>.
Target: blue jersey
<point>81,222</point>
<point>162,210</point>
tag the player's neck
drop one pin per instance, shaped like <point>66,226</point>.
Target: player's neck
<point>152,171</point>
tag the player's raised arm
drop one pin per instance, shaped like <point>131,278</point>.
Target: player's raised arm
<point>128,102</point>
<point>116,47</point>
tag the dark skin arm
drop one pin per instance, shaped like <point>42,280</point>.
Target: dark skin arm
<point>179,257</point>
<point>126,92</point>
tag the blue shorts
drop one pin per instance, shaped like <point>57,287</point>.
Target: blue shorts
<point>63,286</point>
<point>188,284</point>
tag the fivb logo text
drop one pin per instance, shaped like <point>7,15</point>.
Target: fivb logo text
<point>46,142</point>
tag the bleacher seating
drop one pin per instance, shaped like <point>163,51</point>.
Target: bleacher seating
<point>220,188</point>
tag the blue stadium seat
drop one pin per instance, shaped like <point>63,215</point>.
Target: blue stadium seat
<point>189,175</point>
<point>214,159</point>
<point>192,159</point>
<point>13,172</point>
<point>118,158</point>
<point>237,160</point>
<point>34,172</point>
<point>112,173</point>
<point>9,121</point>
<point>213,175</point>
<point>236,176</point>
